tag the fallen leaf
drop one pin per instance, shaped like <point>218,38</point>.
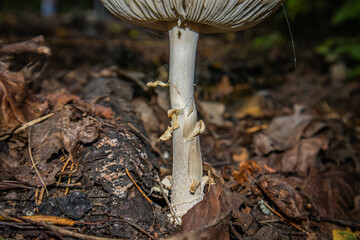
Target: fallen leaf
<point>246,169</point>
<point>16,103</point>
<point>301,157</point>
<point>102,111</point>
<point>331,191</point>
<point>213,112</point>
<point>224,87</point>
<point>209,216</point>
<point>61,97</point>
<point>242,155</point>
<point>286,198</point>
<point>285,131</point>
<point>63,131</point>
<point>250,106</point>
<point>145,112</point>
<point>256,128</point>
<point>220,90</point>
<point>345,234</point>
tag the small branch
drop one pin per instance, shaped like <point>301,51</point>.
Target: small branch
<point>283,218</point>
<point>172,211</point>
<point>34,45</point>
<point>74,234</point>
<point>135,226</point>
<point>70,185</point>
<point>141,191</point>
<point>34,165</point>
<point>26,125</point>
<point>7,185</point>
<point>341,222</point>
<point>22,226</point>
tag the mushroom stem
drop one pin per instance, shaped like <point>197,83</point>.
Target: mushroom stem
<point>187,163</point>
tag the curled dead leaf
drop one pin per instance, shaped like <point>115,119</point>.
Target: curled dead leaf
<point>16,103</point>
<point>241,156</point>
<point>285,131</point>
<point>331,191</point>
<point>286,198</point>
<point>61,97</point>
<point>208,217</point>
<point>246,169</point>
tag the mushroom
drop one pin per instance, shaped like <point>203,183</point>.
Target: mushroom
<point>184,20</point>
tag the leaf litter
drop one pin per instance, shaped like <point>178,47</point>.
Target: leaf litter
<point>273,172</point>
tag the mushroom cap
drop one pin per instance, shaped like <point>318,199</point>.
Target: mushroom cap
<point>212,15</point>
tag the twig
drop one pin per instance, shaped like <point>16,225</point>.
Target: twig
<point>237,235</point>
<point>33,122</point>
<point>42,190</point>
<point>36,196</point>
<point>135,226</point>
<point>26,125</point>
<point>172,211</point>
<point>7,185</point>
<point>63,169</point>
<point>71,185</point>
<point>141,191</point>
<point>268,221</point>
<point>74,234</point>
<point>283,218</point>
<point>342,222</point>
<point>33,162</point>
<point>33,45</point>
<point>23,226</point>
<point>69,180</point>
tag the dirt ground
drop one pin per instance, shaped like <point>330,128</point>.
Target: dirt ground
<point>79,155</point>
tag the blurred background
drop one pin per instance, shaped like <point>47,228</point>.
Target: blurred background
<point>326,40</point>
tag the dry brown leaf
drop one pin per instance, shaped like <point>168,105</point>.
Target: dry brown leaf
<point>213,112</point>
<point>16,103</point>
<point>209,216</point>
<point>301,157</point>
<point>251,106</point>
<point>61,97</point>
<point>285,131</point>
<point>102,111</point>
<point>246,169</point>
<point>286,198</point>
<point>241,156</point>
<point>331,191</point>
<point>223,88</point>
<point>256,128</point>
<point>63,131</point>
<point>145,112</point>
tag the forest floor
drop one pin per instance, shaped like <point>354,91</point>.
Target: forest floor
<point>79,154</point>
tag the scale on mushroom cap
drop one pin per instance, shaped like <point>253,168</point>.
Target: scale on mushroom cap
<point>184,20</point>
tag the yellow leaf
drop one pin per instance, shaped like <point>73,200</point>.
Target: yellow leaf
<point>345,234</point>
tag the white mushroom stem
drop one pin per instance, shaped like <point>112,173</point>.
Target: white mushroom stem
<point>187,163</point>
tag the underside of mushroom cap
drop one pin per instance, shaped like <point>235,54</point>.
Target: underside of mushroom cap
<point>213,15</point>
